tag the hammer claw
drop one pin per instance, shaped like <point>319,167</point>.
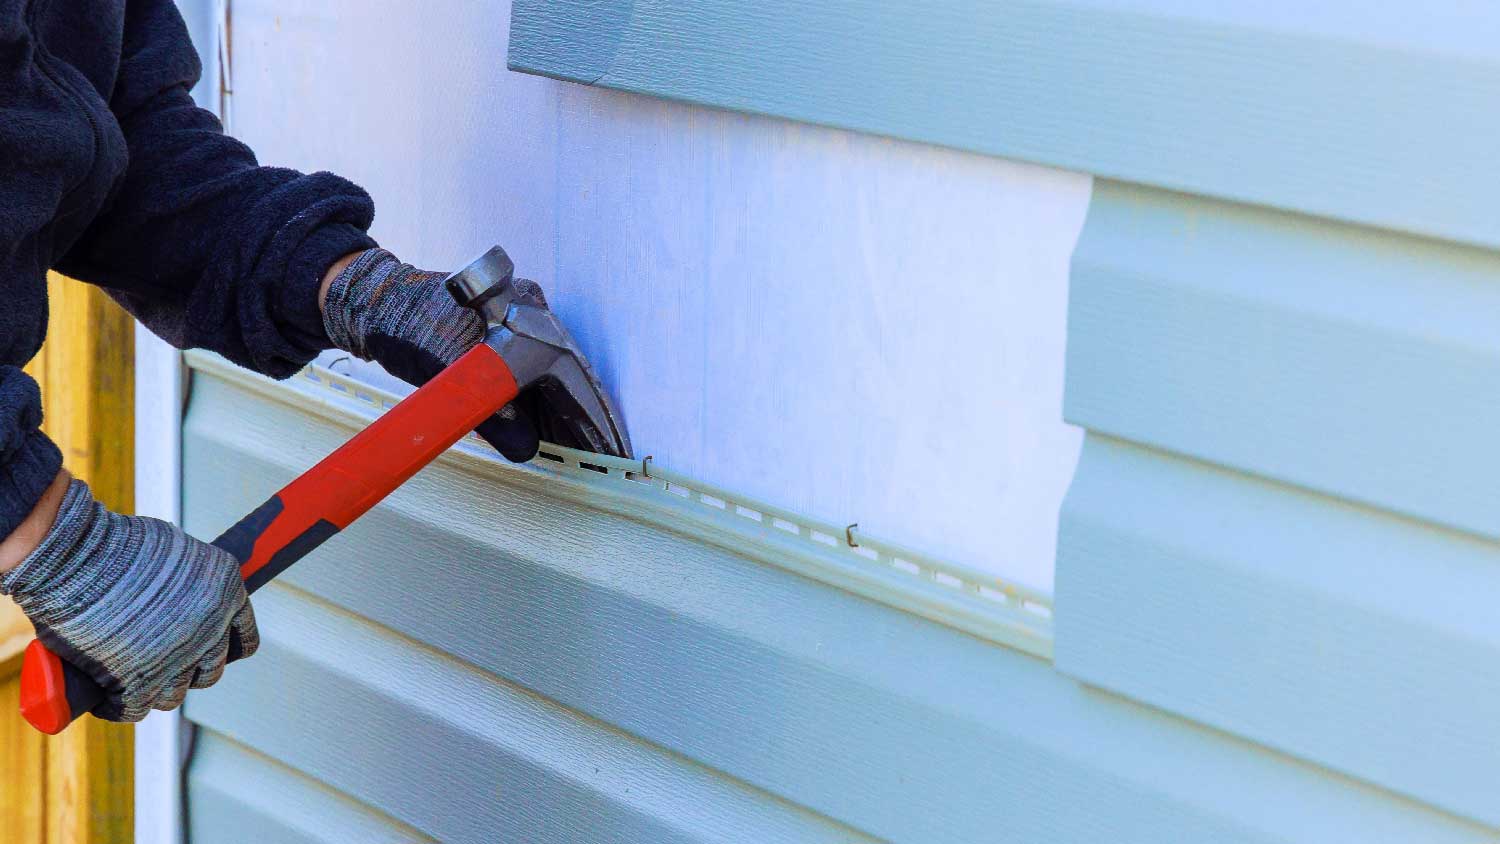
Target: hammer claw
<point>541,353</point>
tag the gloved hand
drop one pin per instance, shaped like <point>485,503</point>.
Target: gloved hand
<point>140,606</point>
<point>380,309</point>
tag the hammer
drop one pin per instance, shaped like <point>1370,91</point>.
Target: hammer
<point>525,346</point>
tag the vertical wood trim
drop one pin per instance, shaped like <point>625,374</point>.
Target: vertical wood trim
<point>22,749</point>
<point>78,787</point>
<point>88,389</point>
<point>23,789</point>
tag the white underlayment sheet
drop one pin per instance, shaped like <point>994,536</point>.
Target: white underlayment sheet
<point>855,328</point>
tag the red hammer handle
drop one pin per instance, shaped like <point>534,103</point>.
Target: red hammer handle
<point>322,501</point>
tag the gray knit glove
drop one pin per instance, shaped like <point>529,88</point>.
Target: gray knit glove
<point>140,606</point>
<point>401,317</point>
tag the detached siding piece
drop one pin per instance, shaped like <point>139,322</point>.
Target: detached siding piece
<point>488,656</point>
<point>1342,109</point>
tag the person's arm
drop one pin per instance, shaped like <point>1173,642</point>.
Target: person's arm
<point>209,250</point>
<point>263,265</point>
<point>35,525</point>
<point>206,247</point>
<point>144,609</point>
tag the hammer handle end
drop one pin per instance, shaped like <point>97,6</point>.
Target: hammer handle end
<point>319,503</point>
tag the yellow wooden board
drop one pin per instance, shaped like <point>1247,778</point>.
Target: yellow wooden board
<point>22,791</point>
<point>76,787</point>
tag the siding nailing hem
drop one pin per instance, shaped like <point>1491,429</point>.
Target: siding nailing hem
<point>978,603</point>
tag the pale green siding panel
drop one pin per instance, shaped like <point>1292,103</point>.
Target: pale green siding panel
<point>1378,114</point>
<point>460,756</point>
<point>239,795</point>
<point>1331,598</point>
<point>1359,363</point>
<point>1328,630</point>
<point>703,654</point>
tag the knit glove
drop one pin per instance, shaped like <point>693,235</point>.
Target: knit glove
<point>146,610</point>
<point>380,309</point>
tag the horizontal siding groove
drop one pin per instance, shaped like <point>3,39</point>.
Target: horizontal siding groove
<point>1343,360</point>
<point>242,794</point>
<point>1283,523</point>
<point>978,603</point>
<point>1290,618</point>
<point>1375,121</point>
<point>479,759</point>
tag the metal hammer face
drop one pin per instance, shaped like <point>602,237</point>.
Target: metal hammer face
<point>541,354</point>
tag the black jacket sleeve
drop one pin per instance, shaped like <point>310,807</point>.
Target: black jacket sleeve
<point>28,460</point>
<point>206,247</point>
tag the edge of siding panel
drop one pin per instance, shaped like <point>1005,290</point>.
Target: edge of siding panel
<point>982,604</point>
<point>1153,91</point>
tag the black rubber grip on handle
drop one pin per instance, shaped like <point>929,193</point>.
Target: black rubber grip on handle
<point>313,507</point>
<point>240,541</point>
<point>82,692</point>
<point>54,692</point>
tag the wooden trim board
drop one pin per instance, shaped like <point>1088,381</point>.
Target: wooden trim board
<point>77,787</point>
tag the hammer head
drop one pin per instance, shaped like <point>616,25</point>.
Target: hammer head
<point>541,354</point>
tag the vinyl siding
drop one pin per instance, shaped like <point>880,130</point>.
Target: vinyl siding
<point>238,794</point>
<point>1331,631</point>
<point>1283,339</point>
<point>1283,521</point>
<point>1358,363</point>
<point>510,652</point>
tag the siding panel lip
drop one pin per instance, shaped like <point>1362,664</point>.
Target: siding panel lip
<point>981,604</point>
<point>1456,606</point>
